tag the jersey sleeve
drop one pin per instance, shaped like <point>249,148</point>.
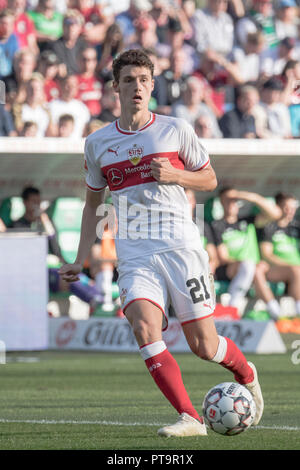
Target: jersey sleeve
<point>94,178</point>
<point>191,152</point>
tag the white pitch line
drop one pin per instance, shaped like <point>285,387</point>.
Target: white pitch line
<point>279,428</point>
<point>119,423</point>
<point>49,421</point>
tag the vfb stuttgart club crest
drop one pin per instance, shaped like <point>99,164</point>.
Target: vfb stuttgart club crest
<point>135,154</point>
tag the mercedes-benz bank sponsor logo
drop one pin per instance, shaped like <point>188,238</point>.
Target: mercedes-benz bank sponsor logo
<point>115,176</point>
<point>109,334</point>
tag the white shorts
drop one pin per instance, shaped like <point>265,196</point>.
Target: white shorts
<point>180,280</point>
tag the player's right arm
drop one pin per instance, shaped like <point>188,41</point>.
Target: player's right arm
<point>70,272</point>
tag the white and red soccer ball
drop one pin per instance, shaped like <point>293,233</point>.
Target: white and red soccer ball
<point>229,408</point>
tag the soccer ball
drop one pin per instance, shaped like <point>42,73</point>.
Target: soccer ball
<point>229,408</point>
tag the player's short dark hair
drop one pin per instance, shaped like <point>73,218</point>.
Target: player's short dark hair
<point>282,197</point>
<point>137,57</point>
<point>29,191</point>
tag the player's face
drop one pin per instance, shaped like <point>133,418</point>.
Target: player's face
<point>135,87</point>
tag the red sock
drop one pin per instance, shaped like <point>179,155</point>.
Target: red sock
<point>236,362</point>
<point>167,376</point>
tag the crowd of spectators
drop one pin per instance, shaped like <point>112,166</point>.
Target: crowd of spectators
<point>230,67</point>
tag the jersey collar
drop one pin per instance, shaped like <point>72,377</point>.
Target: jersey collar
<point>126,132</point>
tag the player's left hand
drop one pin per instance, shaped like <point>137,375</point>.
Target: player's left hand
<point>163,171</point>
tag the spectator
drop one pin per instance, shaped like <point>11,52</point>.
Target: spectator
<point>65,126</point>
<point>286,19</point>
<point>192,105</point>
<point>97,18</point>
<point>159,92</point>
<point>89,88</point>
<point>185,14</point>
<point>24,26</point>
<point>220,77</point>
<point>247,58</point>
<point>69,104</point>
<point>112,45</point>
<point>290,78</point>
<point>239,123</point>
<point>68,47</point>
<point>160,14</point>
<point>274,60</point>
<point>34,108</point>
<point>146,37</point>
<point>110,104</point>
<point>291,94</point>
<point>176,40</point>
<point>23,67</point>
<point>30,129</point>
<point>236,240</point>
<point>7,127</point>
<point>93,126</point>
<point>259,18</point>
<point>47,21</point>
<point>203,127</point>
<point>49,67</point>
<point>279,245</point>
<point>127,19</point>
<point>9,43</point>
<point>115,6</point>
<point>277,119</point>
<point>213,28</point>
<point>171,81</point>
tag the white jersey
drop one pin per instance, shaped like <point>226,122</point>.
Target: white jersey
<point>152,217</point>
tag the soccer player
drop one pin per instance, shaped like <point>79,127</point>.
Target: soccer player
<point>147,160</point>
<point>236,240</point>
<point>280,249</point>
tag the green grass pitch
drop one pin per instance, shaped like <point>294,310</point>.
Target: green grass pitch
<point>93,401</point>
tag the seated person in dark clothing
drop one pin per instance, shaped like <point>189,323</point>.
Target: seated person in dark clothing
<point>280,250</point>
<point>37,220</point>
<point>236,240</point>
<point>7,127</point>
<point>68,47</point>
<point>239,123</point>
